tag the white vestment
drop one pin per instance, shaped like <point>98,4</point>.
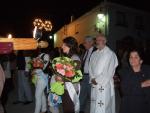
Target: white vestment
<point>102,67</point>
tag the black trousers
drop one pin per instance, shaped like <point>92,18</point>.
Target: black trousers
<point>6,90</point>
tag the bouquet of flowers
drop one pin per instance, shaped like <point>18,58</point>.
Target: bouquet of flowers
<point>65,69</point>
<point>35,63</point>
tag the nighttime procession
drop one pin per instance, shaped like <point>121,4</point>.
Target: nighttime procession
<point>79,56</point>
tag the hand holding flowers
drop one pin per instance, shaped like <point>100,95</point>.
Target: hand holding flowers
<point>65,70</point>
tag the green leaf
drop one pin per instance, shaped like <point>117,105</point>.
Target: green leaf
<point>34,79</point>
<point>57,88</point>
<point>76,79</point>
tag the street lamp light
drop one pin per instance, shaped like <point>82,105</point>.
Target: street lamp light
<point>101,17</point>
<point>9,36</point>
<point>100,24</point>
<point>50,37</point>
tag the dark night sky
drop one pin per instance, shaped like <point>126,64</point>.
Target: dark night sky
<point>16,17</point>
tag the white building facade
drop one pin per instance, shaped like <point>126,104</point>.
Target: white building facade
<point>117,22</point>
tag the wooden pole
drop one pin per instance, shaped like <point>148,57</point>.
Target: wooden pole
<point>25,43</point>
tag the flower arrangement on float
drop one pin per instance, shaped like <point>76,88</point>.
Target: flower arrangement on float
<point>65,70</point>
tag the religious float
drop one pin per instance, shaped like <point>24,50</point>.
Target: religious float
<point>7,45</point>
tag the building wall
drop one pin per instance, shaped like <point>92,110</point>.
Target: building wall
<point>85,25</point>
<point>117,32</point>
<point>121,23</point>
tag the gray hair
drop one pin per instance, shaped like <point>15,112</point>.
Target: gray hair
<point>89,38</point>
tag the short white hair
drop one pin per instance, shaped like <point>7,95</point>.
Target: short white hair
<point>89,38</point>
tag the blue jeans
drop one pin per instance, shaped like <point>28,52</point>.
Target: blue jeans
<point>40,98</point>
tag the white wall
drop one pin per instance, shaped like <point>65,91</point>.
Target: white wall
<point>85,25</point>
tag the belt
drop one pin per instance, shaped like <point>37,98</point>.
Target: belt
<point>86,73</point>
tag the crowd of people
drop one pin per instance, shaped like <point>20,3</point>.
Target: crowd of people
<point>99,65</point>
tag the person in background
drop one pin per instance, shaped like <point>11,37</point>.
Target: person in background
<point>135,84</point>
<point>24,86</point>
<point>102,68</point>
<point>40,64</point>
<point>13,68</point>
<point>2,81</point>
<point>8,86</point>
<point>82,51</point>
<point>85,92</point>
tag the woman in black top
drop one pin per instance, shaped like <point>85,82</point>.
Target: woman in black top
<point>135,85</point>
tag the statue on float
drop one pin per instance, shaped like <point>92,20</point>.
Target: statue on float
<point>7,45</point>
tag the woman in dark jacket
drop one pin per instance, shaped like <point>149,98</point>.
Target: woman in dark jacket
<point>135,85</point>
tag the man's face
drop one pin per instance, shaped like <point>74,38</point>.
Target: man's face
<point>100,42</point>
<point>87,44</point>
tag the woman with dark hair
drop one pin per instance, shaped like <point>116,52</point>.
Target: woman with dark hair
<point>70,99</point>
<point>70,46</point>
<point>135,85</point>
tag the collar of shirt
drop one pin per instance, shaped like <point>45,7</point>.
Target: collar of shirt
<point>86,66</point>
<point>88,52</point>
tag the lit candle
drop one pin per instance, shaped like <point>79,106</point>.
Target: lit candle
<point>9,36</point>
<point>34,32</point>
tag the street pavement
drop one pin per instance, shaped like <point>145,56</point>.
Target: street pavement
<point>21,108</point>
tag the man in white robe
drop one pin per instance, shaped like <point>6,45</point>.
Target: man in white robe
<point>102,67</point>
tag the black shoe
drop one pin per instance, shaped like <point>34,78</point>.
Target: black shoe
<point>18,102</point>
<point>27,102</point>
<point>81,112</point>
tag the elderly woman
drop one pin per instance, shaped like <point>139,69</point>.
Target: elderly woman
<point>135,85</point>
